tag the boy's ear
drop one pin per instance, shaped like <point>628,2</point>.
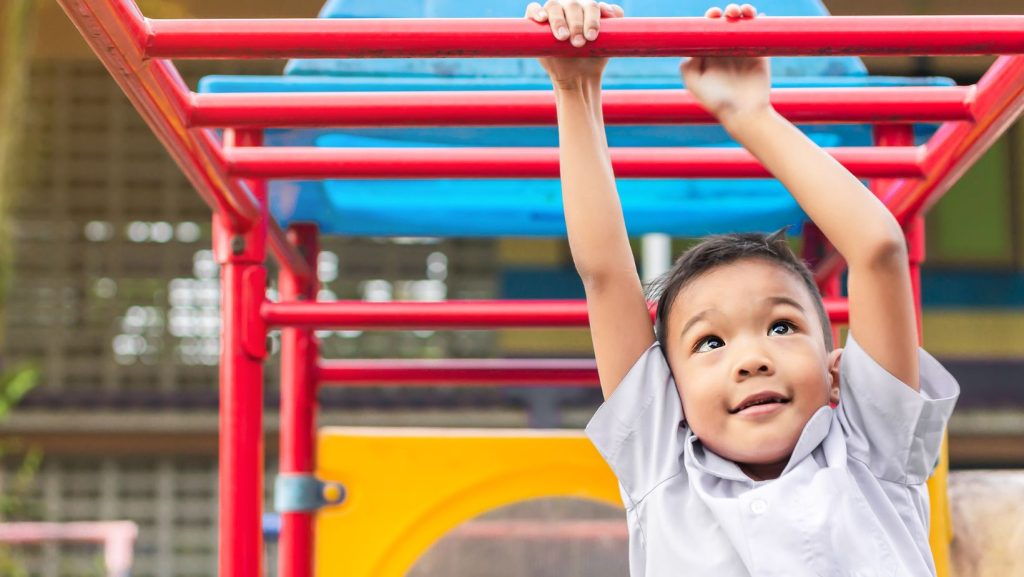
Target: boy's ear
<point>833,375</point>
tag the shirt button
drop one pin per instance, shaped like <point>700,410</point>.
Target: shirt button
<point>758,506</point>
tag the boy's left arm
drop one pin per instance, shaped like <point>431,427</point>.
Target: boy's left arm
<point>860,227</point>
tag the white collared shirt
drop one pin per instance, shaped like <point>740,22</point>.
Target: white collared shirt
<point>850,502</point>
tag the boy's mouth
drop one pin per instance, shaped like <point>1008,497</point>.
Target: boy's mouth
<point>759,399</point>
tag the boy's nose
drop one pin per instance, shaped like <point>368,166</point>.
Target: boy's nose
<point>754,364</point>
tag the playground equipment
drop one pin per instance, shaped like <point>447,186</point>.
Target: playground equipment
<point>116,537</point>
<point>230,170</point>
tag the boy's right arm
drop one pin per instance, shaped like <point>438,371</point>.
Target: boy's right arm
<point>620,323</point>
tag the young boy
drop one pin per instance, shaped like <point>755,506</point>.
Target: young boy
<point>720,425</point>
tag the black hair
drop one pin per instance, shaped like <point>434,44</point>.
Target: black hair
<point>718,250</point>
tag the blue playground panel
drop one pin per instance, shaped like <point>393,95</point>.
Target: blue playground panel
<point>531,207</point>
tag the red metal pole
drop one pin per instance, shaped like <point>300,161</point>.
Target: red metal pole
<point>456,372</point>
<point>517,37</point>
<point>892,135</point>
<point>916,246</point>
<point>533,107</point>
<point>465,314</point>
<point>299,354</point>
<point>243,341</point>
<point>425,163</point>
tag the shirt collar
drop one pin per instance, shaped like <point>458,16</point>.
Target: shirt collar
<point>707,461</point>
<point>811,437</point>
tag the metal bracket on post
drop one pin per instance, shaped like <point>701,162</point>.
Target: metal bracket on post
<point>298,493</point>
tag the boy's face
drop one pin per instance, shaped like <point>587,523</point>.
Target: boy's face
<point>746,348</point>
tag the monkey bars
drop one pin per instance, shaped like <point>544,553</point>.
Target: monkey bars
<point>463,314</point>
<point>230,173</point>
<point>517,37</point>
<point>304,163</point>
<point>522,107</point>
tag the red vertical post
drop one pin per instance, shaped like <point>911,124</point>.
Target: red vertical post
<point>243,349</point>
<point>299,355</point>
<point>903,135</point>
<point>916,249</point>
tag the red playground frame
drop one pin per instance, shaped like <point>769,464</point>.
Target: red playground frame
<point>230,174</point>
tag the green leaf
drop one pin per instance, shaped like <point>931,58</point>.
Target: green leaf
<point>15,387</point>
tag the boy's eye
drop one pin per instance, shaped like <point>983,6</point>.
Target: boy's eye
<point>781,328</point>
<point>707,344</point>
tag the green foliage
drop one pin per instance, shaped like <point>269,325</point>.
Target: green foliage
<point>14,387</point>
<point>14,493</point>
<point>9,564</point>
<point>15,503</point>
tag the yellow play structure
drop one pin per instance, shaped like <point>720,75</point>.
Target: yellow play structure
<point>406,488</point>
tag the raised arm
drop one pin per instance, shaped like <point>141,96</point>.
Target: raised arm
<point>861,228</point>
<point>620,324</point>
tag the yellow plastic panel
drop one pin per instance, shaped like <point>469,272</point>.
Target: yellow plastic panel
<point>942,524</point>
<point>408,487</point>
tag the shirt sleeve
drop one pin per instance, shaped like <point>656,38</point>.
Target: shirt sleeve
<point>894,430</point>
<point>638,430</point>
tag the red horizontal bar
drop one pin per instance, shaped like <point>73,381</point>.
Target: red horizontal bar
<point>533,107</point>
<point>517,37</point>
<point>423,163</point>
<point>452,372</point>
<point>427,315</point>
<point>465,314</point>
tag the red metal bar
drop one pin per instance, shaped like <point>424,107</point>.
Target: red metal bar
<point>517,37</point>
<point>466,314</point>
<point>957,145</point>
<point>427,315</point>
<point>243,337</point>
<point>299,353</point>
<point>455,372</point>
<point>916,247</point>
<point>518,108</point>
<point>412,163</point>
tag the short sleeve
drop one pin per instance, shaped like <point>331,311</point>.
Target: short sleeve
<point>894,430</point>
<point>638,430</point>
